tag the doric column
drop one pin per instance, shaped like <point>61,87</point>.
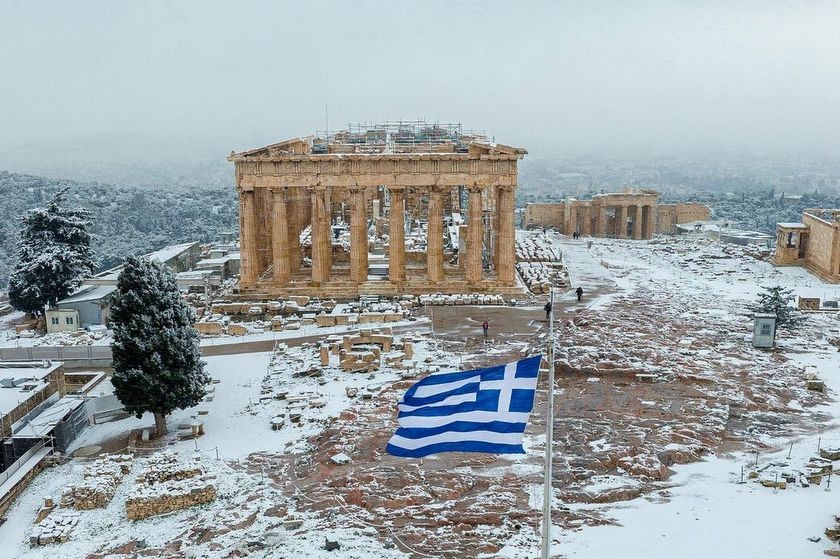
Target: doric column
<point>358,235</point>
<point>280,236</point>
<point>507,237</point>
<point>621,222</point>
<point>637,222</point>
<point>247,238</point>
<point>321,241</point>
<point>295,211</point>
<point>586,226</point>
<point>434,236</point>
<point>396,235</point>
<point>495,215</point>
<point>602,220</point>
<point>475,233</point>
<point>651,222</point>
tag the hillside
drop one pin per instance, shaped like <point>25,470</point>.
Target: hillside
<point>126,220</point>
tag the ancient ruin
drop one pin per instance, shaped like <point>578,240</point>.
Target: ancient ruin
<point>631,214</point>
<point>814,243</point>
<point>378,209</point>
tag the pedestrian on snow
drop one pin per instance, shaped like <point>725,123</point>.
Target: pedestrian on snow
<point>485,326</point>
<point>547,309</point>
<point>579,292</point>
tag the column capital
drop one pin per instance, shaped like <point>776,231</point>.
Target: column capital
<point>506,188</point>
<point>396,188</point>
<point>474,187</point>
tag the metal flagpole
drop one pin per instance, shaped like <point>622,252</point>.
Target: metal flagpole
<point>549,436</point>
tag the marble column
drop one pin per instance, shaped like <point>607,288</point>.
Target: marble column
<point>434,236</point>
<point>294,205</point>
<point>321,241</point>
<point>358,235</point>
<point>248,238</point>
<point>495,216</point>
<point>602,220</point>
<point>637,222</point>
<point>507,237</point>
<point>621,222</point>
<point>280,237</point>
<point>650,228</point>
<point>586,229</point>
<point>396,235</point>
<point>475,233</point>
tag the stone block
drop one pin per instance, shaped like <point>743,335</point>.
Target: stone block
<point>208,327</point>
<point>237,329</point>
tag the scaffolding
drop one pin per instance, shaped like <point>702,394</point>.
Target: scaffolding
<point>393,133</point>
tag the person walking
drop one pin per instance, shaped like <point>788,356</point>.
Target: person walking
<point>547,309</point>
<point>579,292</point>
<point>485,326</point>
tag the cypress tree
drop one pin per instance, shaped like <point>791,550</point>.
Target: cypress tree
<point>53,255</point>
<point>157,363</point>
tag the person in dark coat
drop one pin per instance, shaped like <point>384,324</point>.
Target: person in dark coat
<point>485,326</point>
<point>579,292</point>
<point>547,309</point>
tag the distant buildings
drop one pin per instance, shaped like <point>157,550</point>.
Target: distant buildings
<point>90,305</point>
<point>814,243</point>
<point>633,214</point>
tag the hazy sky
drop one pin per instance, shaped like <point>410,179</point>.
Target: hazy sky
<point>585,75</point>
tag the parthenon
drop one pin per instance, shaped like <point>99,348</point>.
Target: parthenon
<point>378,209</point>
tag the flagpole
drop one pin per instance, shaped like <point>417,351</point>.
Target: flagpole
<point>549,435</point>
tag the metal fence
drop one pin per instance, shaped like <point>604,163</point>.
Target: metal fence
<point>70,354</point>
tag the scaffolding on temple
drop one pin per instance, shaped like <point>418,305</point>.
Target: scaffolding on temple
<point>392,134</point>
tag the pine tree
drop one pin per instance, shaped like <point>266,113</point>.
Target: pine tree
<point>157,364</point>
<point>53,255</point>
<point>777,300</point>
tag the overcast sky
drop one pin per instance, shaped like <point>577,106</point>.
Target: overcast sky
<point>680,75</point>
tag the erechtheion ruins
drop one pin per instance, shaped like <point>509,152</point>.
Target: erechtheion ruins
<point>631,214</point>
<point>378,209</point>
<point>814,243</point>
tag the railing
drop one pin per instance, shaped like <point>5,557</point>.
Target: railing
<point>10,471</point>
<point>57,353</point>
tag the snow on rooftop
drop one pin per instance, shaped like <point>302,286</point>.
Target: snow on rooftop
<point>11,397</point>
<point>89,293</point>
<point>169,252</point>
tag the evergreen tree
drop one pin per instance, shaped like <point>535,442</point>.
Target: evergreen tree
<point>53,255</point>
<point>777,300</point>
<point>157,364</point>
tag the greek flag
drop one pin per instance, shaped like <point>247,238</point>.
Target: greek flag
<point>485,410</point>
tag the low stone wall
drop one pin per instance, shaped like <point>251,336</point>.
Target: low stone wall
<point>167,484</point>
<point>170,496</point>
<point>101,479</point>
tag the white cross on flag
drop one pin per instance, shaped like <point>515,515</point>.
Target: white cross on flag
<point>484,410</point>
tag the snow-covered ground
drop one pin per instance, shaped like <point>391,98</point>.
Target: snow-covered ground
<point>703,508</point>
<point>674,309</point>
<point>237,425</point>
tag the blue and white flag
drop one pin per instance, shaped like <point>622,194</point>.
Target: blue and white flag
<point>485,410</point>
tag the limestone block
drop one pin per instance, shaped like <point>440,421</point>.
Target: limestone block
<point>237,330</point>
<point>208,327</point>
<point>299,300</point>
